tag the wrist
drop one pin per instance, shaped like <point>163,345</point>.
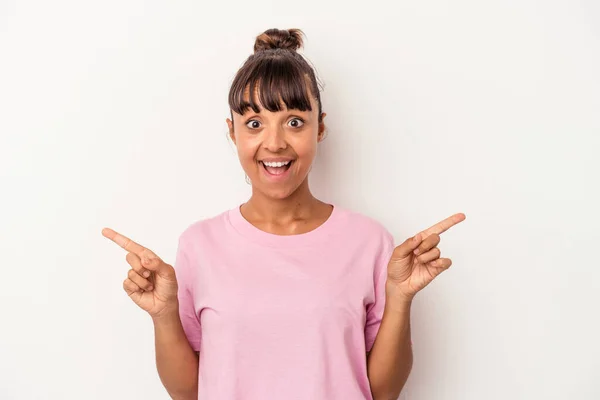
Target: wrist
<point>397,297</point>
<point>167,316</point>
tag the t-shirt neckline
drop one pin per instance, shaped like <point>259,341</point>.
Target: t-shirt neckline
<point>320,233</point>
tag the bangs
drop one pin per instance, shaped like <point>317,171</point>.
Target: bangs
<point>272,84</point>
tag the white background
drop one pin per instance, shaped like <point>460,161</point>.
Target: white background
<point>113,114</point>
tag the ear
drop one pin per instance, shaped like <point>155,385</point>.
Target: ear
<point>321,134</point>
<point>231,131</point>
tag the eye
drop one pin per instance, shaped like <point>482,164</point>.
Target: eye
<point>296,123</point>
<point>253,124</point>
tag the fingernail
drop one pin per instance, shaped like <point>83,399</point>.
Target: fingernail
<point>146,274</point>
<point>150,288</point>
<point>416,251</point>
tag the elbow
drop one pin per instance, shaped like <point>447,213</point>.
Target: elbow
<point>189,395</point>
<point>392,395</point>
<point>388,392</point>
<point>391,388</point>
<point>187,391</point>
<point>182,392</point>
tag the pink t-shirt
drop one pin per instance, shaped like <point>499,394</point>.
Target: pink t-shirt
<point>283,317</point>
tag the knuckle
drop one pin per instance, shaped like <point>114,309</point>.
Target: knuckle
<point>169,269</point>
<point>128,286</point>
<point>149,254</point>
<point>148,258</point>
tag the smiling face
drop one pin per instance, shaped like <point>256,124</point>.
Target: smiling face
<point>277,149</point>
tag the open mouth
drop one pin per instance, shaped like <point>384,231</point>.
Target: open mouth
<point>276,168</point>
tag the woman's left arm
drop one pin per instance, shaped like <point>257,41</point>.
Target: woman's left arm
<point>390,359</point>
<point>413,265</point>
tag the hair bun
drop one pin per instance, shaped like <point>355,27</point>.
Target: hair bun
<point>290,39</point>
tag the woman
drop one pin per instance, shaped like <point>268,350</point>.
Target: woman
<point>285,296</point>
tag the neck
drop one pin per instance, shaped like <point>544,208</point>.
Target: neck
<point>299,205</point>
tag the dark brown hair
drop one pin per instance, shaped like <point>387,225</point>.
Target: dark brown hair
<point>278,72</point>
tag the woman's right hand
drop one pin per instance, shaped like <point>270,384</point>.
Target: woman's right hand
<point>151,282</point>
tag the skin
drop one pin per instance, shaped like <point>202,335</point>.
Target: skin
<point>413,265</point>
<point>286,208</point>
<point>152,285</point>
<point>283,208</point>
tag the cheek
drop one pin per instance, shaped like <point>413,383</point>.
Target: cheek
<point>306,151</point>
<point>246,150</point>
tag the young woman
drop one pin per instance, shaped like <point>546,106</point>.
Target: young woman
<point>286,296</point>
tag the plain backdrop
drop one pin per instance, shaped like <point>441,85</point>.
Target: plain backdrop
<point>113,114</point>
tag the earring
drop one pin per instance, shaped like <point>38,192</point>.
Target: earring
<point>247,179</point>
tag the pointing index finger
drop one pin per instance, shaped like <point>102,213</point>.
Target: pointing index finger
<point>123,241</point>
<point>444,225</point>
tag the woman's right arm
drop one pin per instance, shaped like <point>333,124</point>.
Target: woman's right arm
<point>176,361</point>
<point>152,285</point>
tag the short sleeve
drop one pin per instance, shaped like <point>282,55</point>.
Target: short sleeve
<point>185,295</point>
<point>375,309</point>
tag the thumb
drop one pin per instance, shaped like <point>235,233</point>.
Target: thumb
<point>154,263</point>
<point>406,248</point>
<point>151,261</point>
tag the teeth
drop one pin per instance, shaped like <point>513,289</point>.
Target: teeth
<point>276,164</point>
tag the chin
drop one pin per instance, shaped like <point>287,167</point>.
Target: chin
<point>278,191</point>
<point>277,194</point>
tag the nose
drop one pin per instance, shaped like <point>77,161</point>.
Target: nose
<point>275,140</point>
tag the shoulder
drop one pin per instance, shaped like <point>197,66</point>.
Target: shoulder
<point>367,228</point>
<point>209,227</point>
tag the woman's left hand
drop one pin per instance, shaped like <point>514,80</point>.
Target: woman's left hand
<point>416,262</point>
